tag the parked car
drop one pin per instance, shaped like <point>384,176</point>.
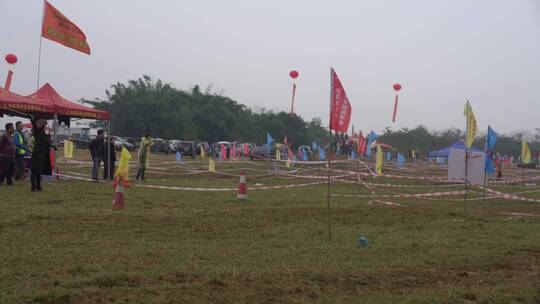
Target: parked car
<point>132,141</point>
<point>122,142</point>
<point>241,147</point>
<point>80,140</point>
<point>531,165</point>
<point>199,144</point>
<point>187,148</point>
<point>160,146</point>
<point>216,147</point>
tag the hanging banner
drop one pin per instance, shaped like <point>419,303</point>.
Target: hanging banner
<point>59,28</point>
<point>340,108</point>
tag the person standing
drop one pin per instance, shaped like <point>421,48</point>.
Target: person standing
<point>108,162</point>
<point>97,151</point>
<point>7,155</point>
<point>40,162</point>
<point>21,150</point>
<point>144,150</point>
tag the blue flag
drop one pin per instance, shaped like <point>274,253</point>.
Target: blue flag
<point>489,168</point>
<point>388,156</point>
<point>304,154</point>
<point>491,139</point>
<point>322,154</point>
<point>314,146</point>
<point>371,138</point>
<point>269,141</point>
<point>400,160</point>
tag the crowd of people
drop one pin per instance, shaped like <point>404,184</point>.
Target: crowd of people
<point>102,150</point>
<point>15,148</point>
<point>23,157</point>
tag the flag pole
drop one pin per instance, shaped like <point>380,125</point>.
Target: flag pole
<point>40,40</point>
<point>466,161</point>
<point>485,185</point>
<point>328,158</point>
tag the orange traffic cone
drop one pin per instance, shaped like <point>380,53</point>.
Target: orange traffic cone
<point>242,190</point>
<point>118,201</point>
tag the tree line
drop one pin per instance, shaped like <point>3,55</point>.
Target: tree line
<point>424,141</point>
<point>150,106</point>
<point>146,106</point>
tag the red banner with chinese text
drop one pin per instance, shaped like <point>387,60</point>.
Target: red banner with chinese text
<point>340,108</point>
<point>59,28</point>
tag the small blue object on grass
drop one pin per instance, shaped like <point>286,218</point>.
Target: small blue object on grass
<point>178,157</point>
<point>362,241</point>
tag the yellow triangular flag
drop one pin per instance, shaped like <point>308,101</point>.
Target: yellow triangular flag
<point>123,166</point>
<point>379,164</point>
<point>68,149</point>
<point>211,165</point>
<point>472,128</point>
<point>288,163</point>
<point>278,154</point>
<point>525,153</point>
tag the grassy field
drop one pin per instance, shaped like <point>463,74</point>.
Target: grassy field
<point>66,245</point>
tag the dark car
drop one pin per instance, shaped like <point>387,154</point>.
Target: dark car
<point>80,140</point>
<point>187,148</point>
<point>132,141</point>
<point>199,144</point>
<point>122,142</point>
<point>531,165</point>
<point>160,146</point>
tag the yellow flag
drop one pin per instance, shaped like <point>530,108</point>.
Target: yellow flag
<point>525,153</point>
<point>68,149</point>
<point>211,165</point>
<point>472,128</point>
<point>278,154</point>
<point>288,163</point>
<point>123,166</point>
<point>379,163</point>
<point>203,156</point>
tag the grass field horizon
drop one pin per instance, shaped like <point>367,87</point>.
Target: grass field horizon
<point>66,245</point>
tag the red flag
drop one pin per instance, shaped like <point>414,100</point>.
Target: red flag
<point>233,152</point>
<point>340,108</point>
<point>223,152</point>
<point>361,144</point>
<point>59,28</point>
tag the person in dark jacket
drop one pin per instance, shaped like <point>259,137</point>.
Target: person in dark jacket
<point>7,155</point>
<point>108,163</point>
<point>40,163</point>
<point>97,151</point>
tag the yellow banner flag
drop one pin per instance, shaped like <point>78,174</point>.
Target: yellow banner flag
<point>525,153</point>
<point>472,127</point>
<point>68,149</point>
<point>378,167</point>
<point>123,166</point>
<point>288,163</point>
<point>211,165</point>
<point>203,155</point>
<point>278,154</point>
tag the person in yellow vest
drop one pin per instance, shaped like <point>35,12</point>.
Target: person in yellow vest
<point>21,150</point>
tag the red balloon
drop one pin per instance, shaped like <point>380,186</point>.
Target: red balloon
<point>397,87</point>
<point>11,58</point>
<point>294,74</point>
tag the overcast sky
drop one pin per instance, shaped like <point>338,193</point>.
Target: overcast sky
<point>442,52</point>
